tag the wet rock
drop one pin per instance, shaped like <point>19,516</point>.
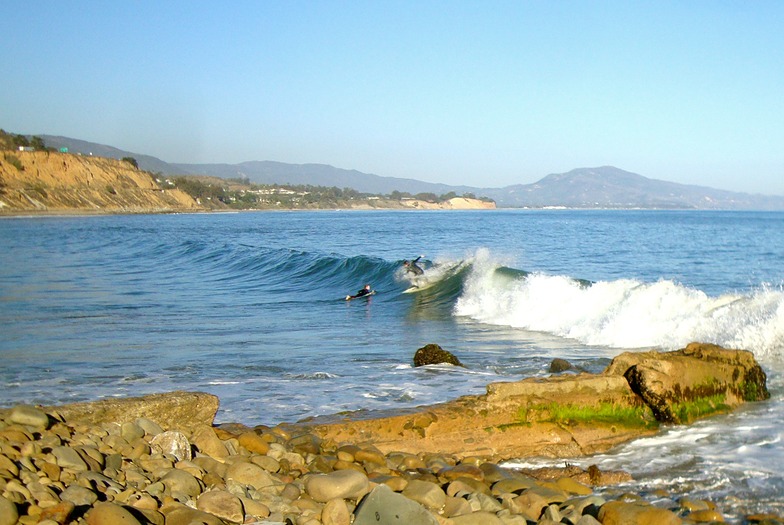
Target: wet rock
<point>559,365</point>
<point>699,371</point>
<point>432,354</point>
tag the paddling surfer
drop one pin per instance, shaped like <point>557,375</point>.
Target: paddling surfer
<point>362,293</point>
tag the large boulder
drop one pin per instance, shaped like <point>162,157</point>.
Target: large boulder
<point>698,380</point>
<point>432,354</point>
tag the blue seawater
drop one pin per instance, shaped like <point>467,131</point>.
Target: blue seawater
<point>250,307</point>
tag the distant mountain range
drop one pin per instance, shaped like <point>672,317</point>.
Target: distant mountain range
<point>602,187</point>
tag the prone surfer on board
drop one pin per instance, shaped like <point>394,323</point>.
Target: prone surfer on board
<point>413,267</point>
<point>362,293</point>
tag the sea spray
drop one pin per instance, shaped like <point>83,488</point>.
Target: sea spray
<point>624,313</point>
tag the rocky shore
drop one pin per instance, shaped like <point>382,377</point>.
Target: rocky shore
<point>160,460</point>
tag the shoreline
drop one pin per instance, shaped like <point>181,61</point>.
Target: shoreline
<point>161,458</point>
<point>142,472</point>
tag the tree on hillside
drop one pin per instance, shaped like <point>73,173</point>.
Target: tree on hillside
<point>131,161</point>
<point>38,144</point>
<point>428,197</point>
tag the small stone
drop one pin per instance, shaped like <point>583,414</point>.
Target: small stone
<point>335,512</point>
<point>130,432</point>
<point>573,487</point>
<point>249,474</point>
<point>587,519</point>
<point>172,443</point>
<point>222,504</point>
<point>692,505</point>
<point>456,507</point>
<point>425,492</point>
<point>69,458</point>
<point>207,442</point>
<point>9,514</point>
<point>78,495</point>
<point>384,507</point>
<point>110,514</point>
<point>478,518</point>
<point>29,416</point>
<point>252,442</point>
<point>462,471</point>
<point>149,426</point>
<point>620,513</point>
<point>345,484</point>
<point>305,444</point>
<point>180,481</point>
<point>59,513</point>
<point>179,514</point>
<point>512,486</point>
<point>7,464</point>
<point>706,516</point>
<point>255,508</point>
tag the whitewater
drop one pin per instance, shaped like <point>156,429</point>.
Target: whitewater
<point>251,307</point>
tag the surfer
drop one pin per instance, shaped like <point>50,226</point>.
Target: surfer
<point>413,267</point>
<point>362,293</point>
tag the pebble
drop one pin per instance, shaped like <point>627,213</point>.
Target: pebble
<point>346,484</point>
<point>56,473</point>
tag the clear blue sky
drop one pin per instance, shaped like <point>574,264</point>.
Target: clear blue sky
<point>478,93</point>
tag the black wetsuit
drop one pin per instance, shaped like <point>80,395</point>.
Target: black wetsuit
<point>414,268</point>
<point>362,293</point>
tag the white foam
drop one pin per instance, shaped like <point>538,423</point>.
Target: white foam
<point>626,313</point>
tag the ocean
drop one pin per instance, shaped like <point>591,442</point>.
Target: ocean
<point>251,307</point>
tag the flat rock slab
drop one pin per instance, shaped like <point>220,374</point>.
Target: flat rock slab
<point>185,410</point>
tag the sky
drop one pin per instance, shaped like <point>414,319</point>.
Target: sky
<point>483,93</point>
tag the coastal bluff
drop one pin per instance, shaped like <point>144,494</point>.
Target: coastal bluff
<point>49,182</point>
<point>160,460</point>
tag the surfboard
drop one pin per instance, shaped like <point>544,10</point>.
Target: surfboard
<point>423,286</point>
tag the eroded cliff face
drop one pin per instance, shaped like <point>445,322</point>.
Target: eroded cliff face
<point>41,181</point>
